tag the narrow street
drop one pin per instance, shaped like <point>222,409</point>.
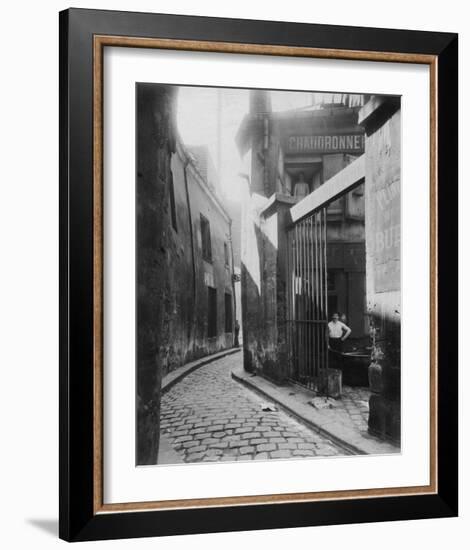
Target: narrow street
<point>209,417</point>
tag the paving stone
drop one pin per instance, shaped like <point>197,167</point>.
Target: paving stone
<point>277,440</point>
<point>304,452</point>
<point>281,454</point>
<point>271,433</point>
<point>210,417</point>
<point>198,449</point>
<point>214,452</point>
<point>244,429</point>
<point>202,424</point>
<point>327,452</point>
<point>183,438</point>
<point>197,431</point>
<point>188,444</point>
<point>250,435</point>
<point>218,445</point>
<point>288,446</point>
<point>306,445</point>
<point>295,440</point>
<point>179,426</point>
<point>261,456</point>
<point>209,440</point>
<point>217,428</point>
<point>194,457</point>
<point>237,443</point>
<point>265,447</point>
<point>258,440</point>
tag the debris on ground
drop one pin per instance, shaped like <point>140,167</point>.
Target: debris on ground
<point>268,407</point>
<point>323,403</point>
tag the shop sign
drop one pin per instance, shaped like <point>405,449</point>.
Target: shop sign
<point>337,143</point>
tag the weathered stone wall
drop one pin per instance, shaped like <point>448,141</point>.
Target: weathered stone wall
<point>155,144</point>
<point>383,249</point>
<point>263,254</point>
<point>383,262</point>
<point>172,276</point>
<point>185,333</point>
<point>258,305</point>
<point>264,291</point>
<point>252,258</point>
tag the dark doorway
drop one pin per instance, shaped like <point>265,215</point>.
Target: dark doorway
<point>211,312</point>
<point>228,312</point>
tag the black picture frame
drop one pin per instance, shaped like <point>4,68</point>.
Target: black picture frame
<point>78,518</point>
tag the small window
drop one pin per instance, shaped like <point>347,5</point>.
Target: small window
<point>332,304</point>
<point>172,203</point>
<point>211,312</point>
<point>228,312</point>
<point>226,254</point>
<point>206,239</point>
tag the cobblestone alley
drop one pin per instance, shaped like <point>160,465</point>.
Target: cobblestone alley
<point>208,416</point>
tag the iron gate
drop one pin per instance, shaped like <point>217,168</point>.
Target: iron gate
<point>307,315</point>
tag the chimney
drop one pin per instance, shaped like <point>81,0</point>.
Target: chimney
<point>260,102</point>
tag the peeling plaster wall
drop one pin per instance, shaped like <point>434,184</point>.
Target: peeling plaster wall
<point>383,249</point>
<point>185,333</point>
<point>251,280</point>
<point>263,268</point>
<point>172,277</point>
<point>155,144</point>
<point>383,266</point>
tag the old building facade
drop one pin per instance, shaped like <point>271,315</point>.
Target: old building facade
<point>200,305</point>
<point>185,284</point>
<point>311,243</point>
<point>381,118</point>
<point>311,146</point>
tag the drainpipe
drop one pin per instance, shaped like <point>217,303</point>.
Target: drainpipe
<point>266,159</point>
<point>193,258</point>
<point>232,273</point>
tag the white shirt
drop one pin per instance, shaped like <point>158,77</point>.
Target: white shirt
<point>336,330</point>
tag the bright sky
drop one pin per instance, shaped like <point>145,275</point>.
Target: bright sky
<point>197,124</point>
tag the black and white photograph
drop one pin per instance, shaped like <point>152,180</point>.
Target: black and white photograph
<point>268,274</point>
<point>231,265</point>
